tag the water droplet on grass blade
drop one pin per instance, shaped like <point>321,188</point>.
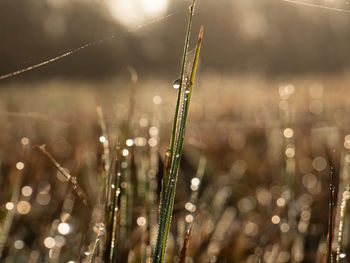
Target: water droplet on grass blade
<point>99,228</point>
<point>177,83</point>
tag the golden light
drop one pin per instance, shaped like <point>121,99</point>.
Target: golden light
<point>9,206</point>
<point>133,13</point>
<point>19,166</point>
<point>27,191</point>
<point>154,7</point>
<point>49,242</point>
<point>23,207</point>
<point>64,228</point>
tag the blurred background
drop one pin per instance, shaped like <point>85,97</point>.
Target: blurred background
<point>266,37</point>
<point>269,107</point>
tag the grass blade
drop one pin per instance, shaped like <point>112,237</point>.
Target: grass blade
<point>160,236</point>
<point>72,179</point>
<point>182,74</point>
<point>99,229</point>
<point>179,128</point>
<point>5,226</point>
<point>330,217</point>
<point>346,197</point>
<point>185,246</point>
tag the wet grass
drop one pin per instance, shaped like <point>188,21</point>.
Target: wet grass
<point>230,190</point>
<point>108,187</point>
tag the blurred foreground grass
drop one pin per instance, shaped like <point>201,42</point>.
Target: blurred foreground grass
<point>253,178</point>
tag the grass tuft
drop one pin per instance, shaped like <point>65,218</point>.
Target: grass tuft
<point>176,143</point>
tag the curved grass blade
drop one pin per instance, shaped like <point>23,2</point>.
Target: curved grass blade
<point>72,179</point>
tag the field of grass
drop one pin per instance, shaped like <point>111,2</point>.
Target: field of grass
<point>214,169</point>
<point>249,188</point>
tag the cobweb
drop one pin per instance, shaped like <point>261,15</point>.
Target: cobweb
<point>309,3</point>
<point>78,49</point>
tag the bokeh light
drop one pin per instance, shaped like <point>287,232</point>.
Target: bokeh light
<point>135,12</point>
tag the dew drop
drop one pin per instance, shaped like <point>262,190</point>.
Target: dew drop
<point>99,229</point>
<point>129,142</point>
<point>19,166</point>
<point>177,83</point>
<point>64,228</point>
<point>189,218</point>
<point>25,141</point>
<point>18,244</point>
<point>342,254</point>
<point>9,206</point>
<point>141,221</point>
<point>49,242</point>
<point>195,181</point>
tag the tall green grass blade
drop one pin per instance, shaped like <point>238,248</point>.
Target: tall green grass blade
<point>160,236</point>
<point>175,123</point>
<point>182,76</point>
<point>170,193</point>
<point>179,127</point>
